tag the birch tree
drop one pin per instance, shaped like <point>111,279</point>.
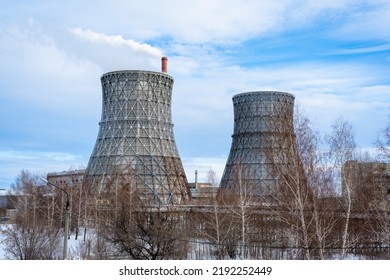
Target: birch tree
<point>214,222</point>
<point>342,148</point>
<point>292,196</point>
<point>318,176</point>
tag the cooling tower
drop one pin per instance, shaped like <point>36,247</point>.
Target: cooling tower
<point>262,141</point>
<point>135,140</point>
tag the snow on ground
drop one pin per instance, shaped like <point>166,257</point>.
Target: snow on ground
<point>75,246</point>
<point>2,252</point>
<point>78,248</point>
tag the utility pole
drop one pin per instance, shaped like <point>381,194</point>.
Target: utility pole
<point>67,214</point>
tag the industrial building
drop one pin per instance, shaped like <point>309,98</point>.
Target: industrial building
<point>135,143</point>
<point>262,141</point>
<point>7,207</point>
<point>368,182</point>
<point>71,178</point>
<point>3,199</point>
<point>203,192</point>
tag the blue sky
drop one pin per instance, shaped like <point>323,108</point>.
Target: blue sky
<point>334,56</point>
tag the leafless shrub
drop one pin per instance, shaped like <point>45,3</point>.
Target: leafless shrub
<point>141,229</point>
<point>32,243</point>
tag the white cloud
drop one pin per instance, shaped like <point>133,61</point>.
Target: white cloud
<point>113,52</point>
<point>217,22</point>
<point>13,161</point>
<point>371,49</point>
<point>188,21</point>
<point>367,23</point>
<point>40,72</point>
<point>117,41</point>
<point>33,155</point>
<point>212,88</point>
<point>203,165</point>
<point>228,21</point>
<point>326,90</point>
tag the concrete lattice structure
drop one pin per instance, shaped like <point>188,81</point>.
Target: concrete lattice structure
<point>135,138</point>
<point>263,139</point>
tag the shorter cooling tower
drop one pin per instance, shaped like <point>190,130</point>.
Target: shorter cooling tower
<point>263,141</point>
<point>135,141</point>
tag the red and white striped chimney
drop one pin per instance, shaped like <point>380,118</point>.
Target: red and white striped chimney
<point>164,64</point>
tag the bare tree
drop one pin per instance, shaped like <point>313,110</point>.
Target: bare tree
<point>318,176</point>
<point>383,142</point>
<point>383,222</point>
<point>292,197</point>
<point>212,178</point>
<point>139,228</point>
<point>240,200</point>
<point>305,200</point>
<point>342,148</point>
<point>31,236</point>
<point>213,223</point>
<point>370,201</point>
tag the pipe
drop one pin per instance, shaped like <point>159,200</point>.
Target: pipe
<point>164,64</point>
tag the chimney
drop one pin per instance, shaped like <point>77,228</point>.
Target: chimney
<point>196,179</point>
<point>164,64</point>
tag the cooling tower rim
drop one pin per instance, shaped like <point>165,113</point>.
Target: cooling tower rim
<point>136,71</point>
<point>264,92</point>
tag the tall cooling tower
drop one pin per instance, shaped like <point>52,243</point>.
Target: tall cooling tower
<point>135,139</point>
<point>263,141</point>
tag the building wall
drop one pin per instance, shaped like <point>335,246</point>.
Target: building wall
<point>3,199</point>
<point>367,181</point>
<point>203,192</point>
<point>73,178</point>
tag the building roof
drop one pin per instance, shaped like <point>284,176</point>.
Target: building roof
<point>67,173</point>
